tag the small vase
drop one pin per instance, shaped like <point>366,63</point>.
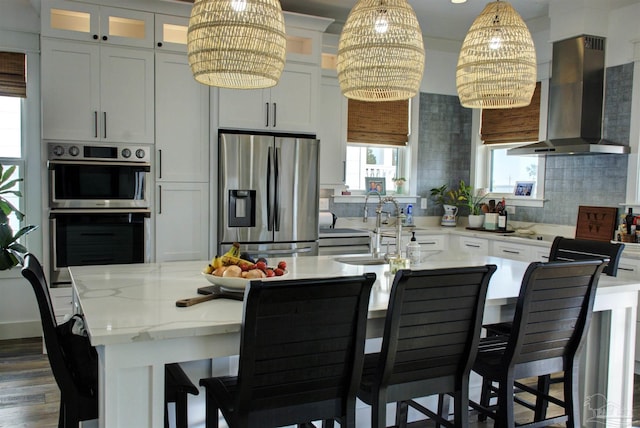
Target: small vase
<point>476,221</point>
<point>399,190</point>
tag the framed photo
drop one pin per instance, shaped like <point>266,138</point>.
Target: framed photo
<point>375,184</point>
<point>523,188</point>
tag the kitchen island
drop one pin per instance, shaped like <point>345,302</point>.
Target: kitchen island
<point>133,322</point>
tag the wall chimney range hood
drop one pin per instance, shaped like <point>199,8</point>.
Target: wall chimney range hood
<point>576,95</point>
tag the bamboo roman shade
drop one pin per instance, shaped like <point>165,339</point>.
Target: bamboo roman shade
<point>385,123</point>
<point>13,79</point>
<point>515,125</point>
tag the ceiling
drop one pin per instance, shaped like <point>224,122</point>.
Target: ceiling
<point>438,18</point>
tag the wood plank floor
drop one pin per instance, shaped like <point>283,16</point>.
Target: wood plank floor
<point>29,396</point>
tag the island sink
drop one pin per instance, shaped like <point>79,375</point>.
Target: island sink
<point>361,260</point>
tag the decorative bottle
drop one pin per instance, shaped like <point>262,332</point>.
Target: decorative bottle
<point>629,221</point>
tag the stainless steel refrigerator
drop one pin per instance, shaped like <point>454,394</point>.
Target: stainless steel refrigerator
<point>268,194</point>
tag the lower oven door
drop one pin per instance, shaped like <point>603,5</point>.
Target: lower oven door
<point>89,237</point>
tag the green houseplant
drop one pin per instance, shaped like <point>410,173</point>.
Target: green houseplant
<point>474,202</point>
<point>11,251</point>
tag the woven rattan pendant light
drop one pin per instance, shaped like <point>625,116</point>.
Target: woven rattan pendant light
<point>497,62</point>
<point>237,44</point>
<point>381,54</point>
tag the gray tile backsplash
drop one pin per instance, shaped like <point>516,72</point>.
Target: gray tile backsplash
<point>444,156</point>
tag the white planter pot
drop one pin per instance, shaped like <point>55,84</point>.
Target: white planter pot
<point>476,221</point>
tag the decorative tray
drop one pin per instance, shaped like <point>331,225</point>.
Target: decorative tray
<point>482,229</point>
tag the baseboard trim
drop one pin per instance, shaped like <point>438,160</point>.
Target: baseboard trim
<point>20,330</point>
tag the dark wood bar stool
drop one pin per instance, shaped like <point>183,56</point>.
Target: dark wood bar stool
<point>431,333</point>
<point>301,353</point>
<point>78,385</point>
<point>552,316</point>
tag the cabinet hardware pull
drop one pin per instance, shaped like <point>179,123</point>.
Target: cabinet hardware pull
<point>275,113</point>
<point>95,37</point>
<point>160,199</point>
<point>511,252</point>
<point>104,114</point>
<point>267,125</point>
<point>472,245</point>
<point>159,163</point>
<point>429,243</point>
<point>95,123</point>
<point>626,269</point>
<point>344,171</point>
<point>104,38</point>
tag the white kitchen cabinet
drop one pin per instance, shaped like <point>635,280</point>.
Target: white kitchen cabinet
<point>540,254</point>
<point>290,106</point>
<point>97,93</point>
<point>62,302</point>
<point>171,33</point>
<point>182,122</point>
<point>510,250</point>
<point>182,221</point>
<point>332,132</point>
<point>471,245</point>
<point>628,269</point>
<point>97,24</point>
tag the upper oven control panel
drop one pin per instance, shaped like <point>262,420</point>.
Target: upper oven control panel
<point>86,152</point>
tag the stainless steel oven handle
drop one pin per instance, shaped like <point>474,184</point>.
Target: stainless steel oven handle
<point>145,165</point>
<point>54,247</point>
<point>53,213</point>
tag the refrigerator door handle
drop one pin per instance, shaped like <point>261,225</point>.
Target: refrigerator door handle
<point>276,181</point>
<point>270,202</point>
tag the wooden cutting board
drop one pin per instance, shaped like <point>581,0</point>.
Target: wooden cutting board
<point>596,223</point>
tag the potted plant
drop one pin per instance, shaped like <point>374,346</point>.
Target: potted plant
<point>449,199</point>
<point>11,251</point>
<point>474,202</point>
<point>399,182</point>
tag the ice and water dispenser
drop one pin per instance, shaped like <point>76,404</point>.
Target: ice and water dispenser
<point>242,208</point>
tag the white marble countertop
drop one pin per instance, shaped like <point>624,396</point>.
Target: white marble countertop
<point>136,302</point>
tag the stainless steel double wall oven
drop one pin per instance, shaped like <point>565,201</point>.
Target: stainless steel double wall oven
<point>99,207</point>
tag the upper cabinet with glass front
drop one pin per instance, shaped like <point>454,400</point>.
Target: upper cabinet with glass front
<point>171,33</point>
<point>87,22</point>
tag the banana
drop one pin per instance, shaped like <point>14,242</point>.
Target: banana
<point>216,262</point>
<point>232,260</point>
<point>208,269</point>
<point>234,251</point>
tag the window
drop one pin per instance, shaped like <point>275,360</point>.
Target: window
<point>503,129</point>
<point>11,144</point>
<point>377,136</point>
<point>506,170</point>
<point>373,161</point>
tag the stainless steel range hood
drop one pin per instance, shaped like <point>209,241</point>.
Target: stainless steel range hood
<point>576,95</point>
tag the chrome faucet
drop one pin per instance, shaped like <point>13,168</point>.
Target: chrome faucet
<point>365,216</point>
<point>398,225</point>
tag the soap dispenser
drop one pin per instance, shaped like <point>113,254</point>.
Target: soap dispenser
<point>413,250</point>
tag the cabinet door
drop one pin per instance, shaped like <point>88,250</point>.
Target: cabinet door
<point>126,27</point>
<point>70,90</point>
<point>294,99</point>
<point>70,20</point>
<point>182,221</point>
<point>540,254</point>
<point>243,109</point>
<point>126,95</point>
<point>171,33</point>
<point>182,121</point>
<point>332,132</point>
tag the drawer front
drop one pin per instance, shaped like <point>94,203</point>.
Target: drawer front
<point>431,242</point>
<point>512,251</point>
<point>62,301</point>
<point>628,269</point>
<point>473,245</point>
